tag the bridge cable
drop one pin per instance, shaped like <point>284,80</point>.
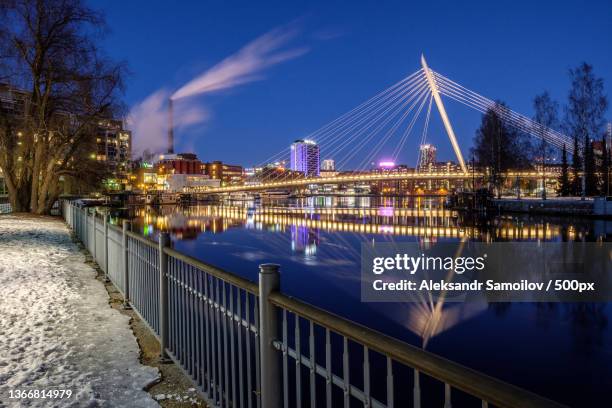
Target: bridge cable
<point>422,99</point>
<point>395,101</point>
<point>346,116</point>
<point>424,134</point>
<point>364,141</point>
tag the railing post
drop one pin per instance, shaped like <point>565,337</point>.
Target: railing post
<point>164,241</point>
<point>106,277</point>
<point>95,247</point>
<point>269,281</point>
<point>126,268</point>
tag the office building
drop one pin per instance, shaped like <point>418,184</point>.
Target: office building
<point>305,157</point>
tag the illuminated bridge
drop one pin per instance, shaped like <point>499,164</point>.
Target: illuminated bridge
<point>366,178</point>
<point>381,127</point>
<point>342,179</point>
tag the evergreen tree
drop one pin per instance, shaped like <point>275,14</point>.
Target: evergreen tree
<point>564,184</point>
<point>576,186</point>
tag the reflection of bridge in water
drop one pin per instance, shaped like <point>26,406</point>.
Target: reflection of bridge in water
<point>410,222</point>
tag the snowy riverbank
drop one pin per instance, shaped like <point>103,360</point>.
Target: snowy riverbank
<point>57,330</point>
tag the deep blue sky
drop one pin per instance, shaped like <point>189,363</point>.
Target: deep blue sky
<point>507,50</point>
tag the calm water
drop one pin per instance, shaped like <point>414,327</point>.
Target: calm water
<point>563,351</point>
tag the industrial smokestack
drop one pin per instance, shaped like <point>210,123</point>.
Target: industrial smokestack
<point>170,128</point>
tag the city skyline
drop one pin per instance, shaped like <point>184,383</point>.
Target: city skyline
<point>347,63</point>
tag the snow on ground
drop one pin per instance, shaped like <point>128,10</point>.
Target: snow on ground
<point>57,330</point>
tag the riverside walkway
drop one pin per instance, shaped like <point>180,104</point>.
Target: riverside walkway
<point>57,330</point>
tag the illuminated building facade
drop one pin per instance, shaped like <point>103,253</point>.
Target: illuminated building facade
<point>112,142</point>
<point>427,157</point>
<point>177,183</point>
<point>229,174</point>
<point>305,157</point>
<point>113,146</point>
<point>328,165</point>
<point>181,163</point>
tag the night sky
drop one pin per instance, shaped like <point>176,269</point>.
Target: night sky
<point>508,50</point>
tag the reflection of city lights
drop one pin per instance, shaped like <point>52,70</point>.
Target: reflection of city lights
<point>385,211</point>
<point>426,222</point>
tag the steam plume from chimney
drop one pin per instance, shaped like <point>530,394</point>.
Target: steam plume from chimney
<point>148,119</point>
<point>170,127</point>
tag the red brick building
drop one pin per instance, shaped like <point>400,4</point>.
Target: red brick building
<point>182,163</point>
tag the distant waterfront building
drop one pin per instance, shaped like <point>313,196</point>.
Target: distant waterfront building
<point>447,167</point>
<point>113,147</point>
<point>181,163</point>
<point>427,157</point>
<point>229,174</point>
<point>177,183</point>
<point>328,165</point>
<point>305,157</point>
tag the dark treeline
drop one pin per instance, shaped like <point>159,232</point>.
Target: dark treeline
<point>498,147</point>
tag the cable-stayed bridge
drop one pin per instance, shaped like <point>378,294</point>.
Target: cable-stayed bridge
<point>383,125</point>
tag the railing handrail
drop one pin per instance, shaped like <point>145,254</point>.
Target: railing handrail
<point>229,277</point>
<point>115,228</point>
<point>496,392</point>
<point>142,239</point>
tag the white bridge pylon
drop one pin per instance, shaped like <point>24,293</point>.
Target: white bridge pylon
<point>447,125</point>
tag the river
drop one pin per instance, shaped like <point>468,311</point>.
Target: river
<point>559,350</point>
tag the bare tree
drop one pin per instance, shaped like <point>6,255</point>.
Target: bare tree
<point>584,120</point>
<point>546,116</point>
<point>499,147</point>
<point>48,50</point>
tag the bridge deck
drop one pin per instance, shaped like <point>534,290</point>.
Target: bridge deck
<point>340,180</point>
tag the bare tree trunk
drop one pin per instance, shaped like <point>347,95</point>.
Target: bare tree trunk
<point>35,177</point>
<point>47,189</point>
<point>16,196</point>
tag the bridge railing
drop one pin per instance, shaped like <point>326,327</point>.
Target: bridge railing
<point>245,344</point>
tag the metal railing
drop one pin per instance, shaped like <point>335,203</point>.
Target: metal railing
<point>5,208</point>
<point>248,345</point>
